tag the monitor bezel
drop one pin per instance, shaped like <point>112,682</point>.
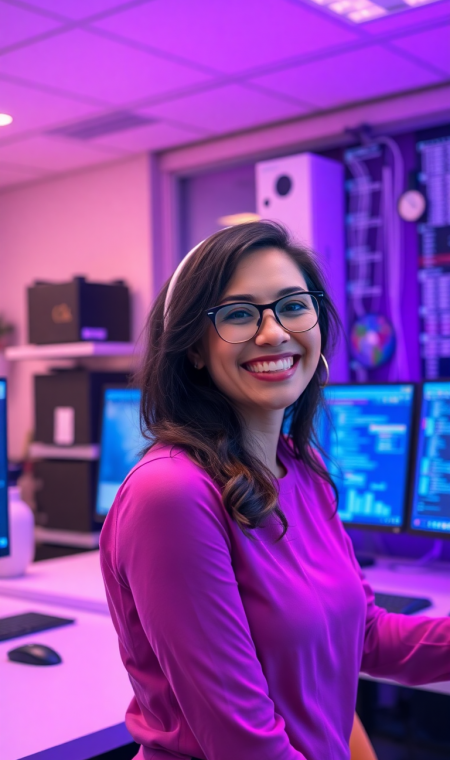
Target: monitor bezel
<point>410,459</point>
<point>100,517</point>
<point>432,534</point>
<point>6,552</point>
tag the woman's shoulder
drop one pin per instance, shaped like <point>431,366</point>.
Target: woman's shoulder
<point>166,478</point>
<point>165,500</point>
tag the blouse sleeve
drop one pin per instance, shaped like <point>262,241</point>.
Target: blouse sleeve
<point>411,650</point>
<point>173,551</point>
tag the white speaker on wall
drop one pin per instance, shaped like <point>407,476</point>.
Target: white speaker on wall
<point>305,192</point>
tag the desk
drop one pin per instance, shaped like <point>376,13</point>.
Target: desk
<point>74,581</point>
<point>99,687</point>
<point>394,575</point>
<point>82,701</point>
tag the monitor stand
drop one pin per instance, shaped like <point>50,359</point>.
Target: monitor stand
<point>434,555</point>
<point>428,563</point>
<point>365,560</point>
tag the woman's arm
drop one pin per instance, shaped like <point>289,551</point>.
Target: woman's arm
<point>411,650</point>
<point>173,552</point>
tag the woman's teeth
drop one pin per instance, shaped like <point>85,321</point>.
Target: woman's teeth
<point>277,366</point>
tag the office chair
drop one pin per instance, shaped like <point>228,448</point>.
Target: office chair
<point>360,744</point>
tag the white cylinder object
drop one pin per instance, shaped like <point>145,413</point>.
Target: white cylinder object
<point>21,533</point>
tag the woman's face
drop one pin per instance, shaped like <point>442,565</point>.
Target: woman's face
<point>236,368</point>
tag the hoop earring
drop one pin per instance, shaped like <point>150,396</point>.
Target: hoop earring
<point>323,385</point>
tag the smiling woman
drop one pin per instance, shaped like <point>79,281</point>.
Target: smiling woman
<point>198,388</point>
<point>242,615</point>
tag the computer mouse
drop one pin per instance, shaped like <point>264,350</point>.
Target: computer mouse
<point>34,654</point>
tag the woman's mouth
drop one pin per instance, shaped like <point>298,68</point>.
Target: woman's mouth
<point>272,368</point>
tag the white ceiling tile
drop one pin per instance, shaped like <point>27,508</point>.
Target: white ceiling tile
<point>18,24</point>
<point>412,17</point>
<point>91,66</point>
<point>75,9</point>
<point>153,137</point>
<point>230,35</point>
<point>226,109</point>
<point>11,175</point>
<point>52,154</point>
<point>34,109</point>
<point>432,46</point>
<point>359,75</point>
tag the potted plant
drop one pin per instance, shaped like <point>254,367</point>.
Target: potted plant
<point>6,333</point>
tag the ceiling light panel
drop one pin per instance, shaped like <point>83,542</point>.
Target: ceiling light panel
<point>360,11</point>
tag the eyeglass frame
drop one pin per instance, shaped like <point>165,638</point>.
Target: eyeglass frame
<point>211,313</point>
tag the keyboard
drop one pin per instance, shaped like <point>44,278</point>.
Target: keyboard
<point>29,622</point>
<point>407,605</point>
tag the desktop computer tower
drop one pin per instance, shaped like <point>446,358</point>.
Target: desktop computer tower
<point>68,405</point>
<point>67,430</point>
<point>305,192</point>
<point>65,497</point>
<point>66,312</point>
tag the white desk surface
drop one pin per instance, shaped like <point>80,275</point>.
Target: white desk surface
<point>397,576</point>
<point>74,581</point>
<point>393,575</point>
<point>43,707</point>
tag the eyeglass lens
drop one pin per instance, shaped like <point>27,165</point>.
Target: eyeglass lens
<point>237,323</point>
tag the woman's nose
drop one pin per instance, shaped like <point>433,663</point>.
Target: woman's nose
<point>271,331</point>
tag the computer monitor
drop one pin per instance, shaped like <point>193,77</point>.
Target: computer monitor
<point>4,523</point>
<point>121,443</point>
<point>430,502</point>
<point>367,439</point>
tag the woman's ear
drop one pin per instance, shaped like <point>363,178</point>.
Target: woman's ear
<point>193,354</point>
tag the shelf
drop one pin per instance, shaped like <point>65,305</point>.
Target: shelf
<point>69,350</point>
<point>66,538</point>
<point>90,451</point>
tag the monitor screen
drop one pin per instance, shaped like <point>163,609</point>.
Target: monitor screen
<point>367,441</point>
<point>430,503</point>
<point>4,532</point>
<point>120,445</point>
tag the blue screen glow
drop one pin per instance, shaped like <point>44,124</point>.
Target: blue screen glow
<point>4,537</point>
<point>121,443</point>
<point>431,501</point>
<point>368,444</point>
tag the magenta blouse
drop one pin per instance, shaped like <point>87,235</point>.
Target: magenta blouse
<point>241,649</point>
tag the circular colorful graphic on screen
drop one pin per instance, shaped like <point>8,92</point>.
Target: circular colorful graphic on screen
<point>372,340</point>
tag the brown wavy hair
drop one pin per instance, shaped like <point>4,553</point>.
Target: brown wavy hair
<point>181,406</point>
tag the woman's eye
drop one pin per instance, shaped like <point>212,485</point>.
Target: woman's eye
<point>293,306</point>
<point>238,314</point>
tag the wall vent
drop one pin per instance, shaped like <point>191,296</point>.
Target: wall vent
<point>98,126</point>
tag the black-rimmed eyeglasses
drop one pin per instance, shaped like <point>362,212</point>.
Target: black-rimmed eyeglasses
<point>238,322</point>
